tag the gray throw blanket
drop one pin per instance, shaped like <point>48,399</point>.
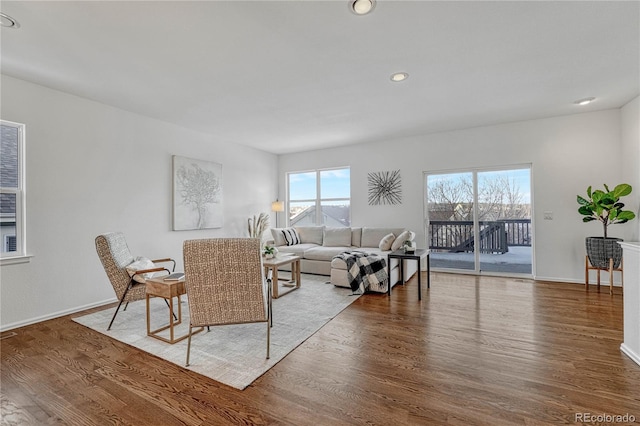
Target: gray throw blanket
<point>365,271</point>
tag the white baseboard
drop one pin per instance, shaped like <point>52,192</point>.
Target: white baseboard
<point>603,282</point>
<point>6,327</point>
<point>631,354</point>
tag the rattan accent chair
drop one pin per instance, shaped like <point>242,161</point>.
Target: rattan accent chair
<point>115,257</point>
<point>225,284</point>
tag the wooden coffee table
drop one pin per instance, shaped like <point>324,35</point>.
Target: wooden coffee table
<point>158,287</point>
<point>274,264</point>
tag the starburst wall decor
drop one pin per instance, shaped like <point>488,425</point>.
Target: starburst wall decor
<point>385,188</point>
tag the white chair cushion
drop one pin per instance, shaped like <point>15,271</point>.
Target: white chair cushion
<point>140,264</point>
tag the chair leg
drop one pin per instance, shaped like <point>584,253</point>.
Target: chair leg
<point>114,314</point>
<point>188,345</point>
<point>118,308</point>
<point>174,314</point>
<point>268,338</point>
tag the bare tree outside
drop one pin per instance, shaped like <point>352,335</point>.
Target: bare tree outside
<point>499,197</point>
<point>450,198</point>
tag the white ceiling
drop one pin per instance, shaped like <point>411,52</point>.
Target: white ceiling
<point>288,76</point>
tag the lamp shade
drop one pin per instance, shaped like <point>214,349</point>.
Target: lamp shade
<point>277,206</point>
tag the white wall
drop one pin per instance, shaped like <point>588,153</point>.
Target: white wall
<point>567,154</point>
<point>93,169</point>
<point>630,123</point>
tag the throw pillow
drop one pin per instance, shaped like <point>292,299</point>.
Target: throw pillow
<point>278,237</point>
<point>139,264</point>
<point>386,241</point>
<point>337,237</point>
<point>399,242</point>
<point>291,236</point>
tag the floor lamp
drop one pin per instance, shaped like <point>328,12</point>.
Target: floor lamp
<point>277,206</point>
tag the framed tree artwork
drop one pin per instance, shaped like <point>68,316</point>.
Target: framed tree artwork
<point>197,194</point>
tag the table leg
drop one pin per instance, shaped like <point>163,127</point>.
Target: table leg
<point>419,280</point>
<point>298,277</point>
<point>389,275</point>
<point>275,282</point>
<point>171,319</point>
<point>148,317</point>
<point>428,270</point>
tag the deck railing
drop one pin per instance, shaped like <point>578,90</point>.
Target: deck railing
<point>495,236</point>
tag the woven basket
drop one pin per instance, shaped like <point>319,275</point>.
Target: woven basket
<point>600,250</point>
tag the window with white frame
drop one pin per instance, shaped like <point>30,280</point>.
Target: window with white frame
<point>319,197</point>
<point>12,197</point>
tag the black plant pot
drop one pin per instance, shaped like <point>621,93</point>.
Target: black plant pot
<point>600,250</point>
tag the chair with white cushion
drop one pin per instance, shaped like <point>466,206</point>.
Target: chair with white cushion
<point>126,273</point>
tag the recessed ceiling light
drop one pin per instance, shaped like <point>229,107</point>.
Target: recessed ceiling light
<point>584,101</point>
<point>7,21</point>
<point>399,76</point>
<point>361,7</point>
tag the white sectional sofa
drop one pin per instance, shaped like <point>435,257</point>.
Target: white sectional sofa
<point>317,246</point>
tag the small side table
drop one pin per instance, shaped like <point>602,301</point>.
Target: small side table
<point>417,255</point>
<point>158,287</point>
<point>281,260</point>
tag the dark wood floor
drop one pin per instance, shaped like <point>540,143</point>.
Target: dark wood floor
<point>475,351</point>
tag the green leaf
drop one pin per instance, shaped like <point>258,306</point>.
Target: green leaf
<point>589,192</point>
<point>606,187</point>
<point>626,215</point>
<point>585,210</point>
<point>597,195</point>
<point>583,201</point>
<point>588,219</point>
<point>622,190</point>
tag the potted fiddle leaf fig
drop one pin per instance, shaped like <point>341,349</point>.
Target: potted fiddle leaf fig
<point>605,206</point>
<point>269,251</point>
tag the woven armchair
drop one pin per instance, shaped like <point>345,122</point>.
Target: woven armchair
<point>225,284</point>
<point>115,257</point>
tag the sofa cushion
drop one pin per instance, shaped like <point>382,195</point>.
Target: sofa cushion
<point>387,241</point>
<point>400,239</point>
<point>310,234</point>
<point>371,236</point>
<point>336,237</point>
<point>297,249</point>
<point>356,236</point>
<point>324,253</point>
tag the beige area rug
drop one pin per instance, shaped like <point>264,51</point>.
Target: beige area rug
<point>232,354</point>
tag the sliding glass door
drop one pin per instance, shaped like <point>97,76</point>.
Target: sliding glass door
<point>451,218</point>
<point>480,220</point>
